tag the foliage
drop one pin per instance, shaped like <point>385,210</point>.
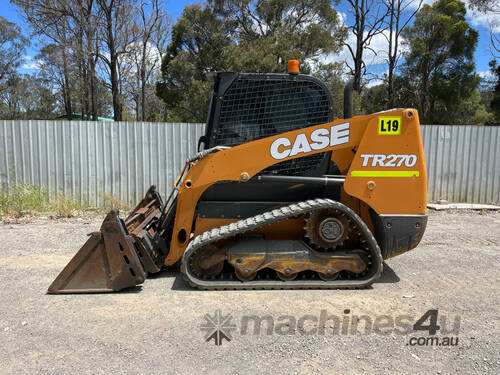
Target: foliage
<point>483,5</point>
<point>439,65</point>
<point>471,111</point>
<point>374,99</point>
<point>99,56</point>
<point>331,75</point>
<point>252,36</point>
<point>21,199</point>
<point>111,58</point>
<point>24,199</point>
<point>491,8</point>
<point>495,102</point>
<point>111,202</point>
<point>279,30</point>
<point>12,46</point>
<point>64,206</point>
<point>200,42</point>
<point>26,97</point>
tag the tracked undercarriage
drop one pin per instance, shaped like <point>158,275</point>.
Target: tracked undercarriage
<point>250,262</point>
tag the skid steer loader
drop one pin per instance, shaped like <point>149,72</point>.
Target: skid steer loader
<point>281,195</point>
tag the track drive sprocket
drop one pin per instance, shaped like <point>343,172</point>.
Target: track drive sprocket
<point>327,229</point>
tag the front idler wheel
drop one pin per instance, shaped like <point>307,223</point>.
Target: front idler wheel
<point>206,263</point>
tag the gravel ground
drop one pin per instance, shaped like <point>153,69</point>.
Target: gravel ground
<point>156,328</point>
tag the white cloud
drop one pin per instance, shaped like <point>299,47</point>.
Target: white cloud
<point>153,55</point>
<point>485,20</point>
<point>488,79</point>
<point>477,19</point>
<point>343,17</point>
<point>414,3</point>
<point>374,82</point>
<point>30,63</point>
<point>485,73</point>
<point>375,54</point>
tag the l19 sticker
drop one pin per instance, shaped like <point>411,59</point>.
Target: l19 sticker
<point>389,125</point>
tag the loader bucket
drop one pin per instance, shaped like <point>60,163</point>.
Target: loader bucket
<point>114,258</point>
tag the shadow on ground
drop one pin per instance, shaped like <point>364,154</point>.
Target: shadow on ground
<point>388,277</point>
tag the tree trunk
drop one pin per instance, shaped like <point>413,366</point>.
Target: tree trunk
<point>391,56</point>
<point>66,89</point>
<point>390,86</point>
<point>358,59</point>
<point>92,63</point>
<point>115,90</point>
<point>165,113</point>
<point>423,99</point>
<point>358,66</point>
<point>113,66</point>
<point>137,108</point>
<point>84,77</point>
<point>143,82</point>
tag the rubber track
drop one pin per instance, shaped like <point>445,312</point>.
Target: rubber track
<point>282,213</point>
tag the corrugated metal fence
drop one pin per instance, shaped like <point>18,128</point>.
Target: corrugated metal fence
<point>463,163</point>
<point>90,160</point>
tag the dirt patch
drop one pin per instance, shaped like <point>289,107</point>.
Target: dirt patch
<point>155,328</point>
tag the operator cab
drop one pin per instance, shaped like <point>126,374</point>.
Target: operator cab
<point>249,106</point>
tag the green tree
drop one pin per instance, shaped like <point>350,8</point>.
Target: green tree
<point>491,8</point>
<point>495,101</point>
<point>374,99</point>
<point>200,43</point>
<point>331,75</point>
<point>249,35</point>
<point>27,97</point>
<point>439,65</point>
<point>471,111</point>
<point>270,32</point>
<point>12,46</point>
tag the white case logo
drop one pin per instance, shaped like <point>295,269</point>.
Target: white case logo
<point>320,138</point>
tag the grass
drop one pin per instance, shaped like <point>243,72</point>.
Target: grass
<point>65,206</point>
<point>111,202</point>
<point>31,200</point>
<point>24,199</point>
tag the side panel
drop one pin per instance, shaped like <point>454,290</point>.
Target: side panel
<point>388,170</point>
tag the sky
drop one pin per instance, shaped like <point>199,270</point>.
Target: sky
<point>376,66</point>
